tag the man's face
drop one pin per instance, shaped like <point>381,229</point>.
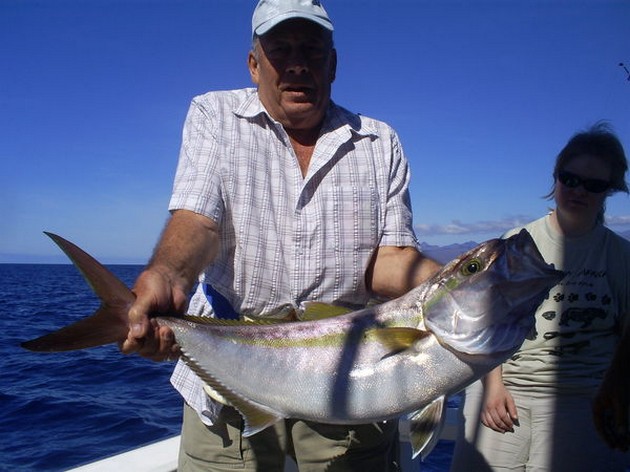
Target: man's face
<point>293,66</point>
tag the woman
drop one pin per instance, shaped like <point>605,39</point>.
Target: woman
<point>535,411</point>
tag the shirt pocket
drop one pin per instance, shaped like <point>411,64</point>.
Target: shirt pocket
<point>351,219</point>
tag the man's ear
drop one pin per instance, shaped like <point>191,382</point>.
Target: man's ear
<point>252,65</point>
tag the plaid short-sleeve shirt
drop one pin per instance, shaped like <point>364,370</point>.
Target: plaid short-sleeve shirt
<point>287,238</point>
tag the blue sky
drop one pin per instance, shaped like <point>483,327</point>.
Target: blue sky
<point>484,93</point>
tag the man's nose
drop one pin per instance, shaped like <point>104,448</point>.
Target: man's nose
<point>297,62</point>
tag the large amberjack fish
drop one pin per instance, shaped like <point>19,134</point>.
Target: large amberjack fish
<point>382,362</point>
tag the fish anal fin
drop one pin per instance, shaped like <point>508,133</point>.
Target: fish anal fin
<point>256,417</point>
<point>425,427</point>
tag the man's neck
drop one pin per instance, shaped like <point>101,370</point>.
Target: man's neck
<point>304,137</point>
<point>303,142</point>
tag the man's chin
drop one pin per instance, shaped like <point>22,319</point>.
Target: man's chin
<point>300,110</point>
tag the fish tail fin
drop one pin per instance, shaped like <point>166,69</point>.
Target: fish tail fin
<point>107,325</point>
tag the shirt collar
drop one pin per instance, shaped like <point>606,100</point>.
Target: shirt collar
<point>251,106</point>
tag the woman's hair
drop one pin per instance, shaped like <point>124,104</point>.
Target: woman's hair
<point>599,141</point>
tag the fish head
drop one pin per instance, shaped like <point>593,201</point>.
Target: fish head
<point>484,301</point>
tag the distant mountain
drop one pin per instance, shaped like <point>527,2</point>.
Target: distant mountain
<point>444,254</point>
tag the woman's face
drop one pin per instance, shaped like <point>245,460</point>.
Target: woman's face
<point>574,189</point>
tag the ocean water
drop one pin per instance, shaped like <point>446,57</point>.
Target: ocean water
<point>61,410</point>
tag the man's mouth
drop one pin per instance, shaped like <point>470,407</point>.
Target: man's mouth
<point>297,89</point>
<point>298,94</point>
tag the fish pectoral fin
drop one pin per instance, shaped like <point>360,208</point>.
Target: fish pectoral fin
<point>425,427</point>
<point>256,417</point>
<point>396,339</point>
<point>314,311</point>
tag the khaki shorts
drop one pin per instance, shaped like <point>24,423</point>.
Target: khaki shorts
<point>315,447</point>
<point>555,433</point>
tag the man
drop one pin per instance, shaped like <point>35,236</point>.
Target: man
<point>280,197</point>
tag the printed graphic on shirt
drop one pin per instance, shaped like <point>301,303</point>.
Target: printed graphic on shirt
<point>578,308</point>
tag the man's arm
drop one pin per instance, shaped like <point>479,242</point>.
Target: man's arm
<point>188,244</point>
<point>394,271</point>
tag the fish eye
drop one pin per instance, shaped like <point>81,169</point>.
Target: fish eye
<point>472,267</point>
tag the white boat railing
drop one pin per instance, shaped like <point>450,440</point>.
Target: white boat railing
<point>161,456</point>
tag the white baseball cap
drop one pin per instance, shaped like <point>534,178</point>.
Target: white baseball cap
<point>269,13</point>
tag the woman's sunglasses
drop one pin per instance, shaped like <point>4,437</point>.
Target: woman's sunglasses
<point>570,180</point>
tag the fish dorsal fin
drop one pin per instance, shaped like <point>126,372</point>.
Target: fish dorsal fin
<point>314,311</point>
<point>256,417</point>
<point>425,427</point>
<point>396,339</point>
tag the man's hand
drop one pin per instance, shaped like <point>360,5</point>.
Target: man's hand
<point>155,294</point>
